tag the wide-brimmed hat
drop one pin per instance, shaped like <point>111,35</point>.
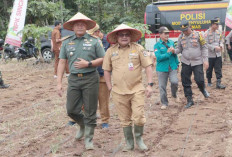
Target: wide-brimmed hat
<point>184,26</point>
<point>91,31</point>
<point>163,30</point>
<point>135,34</point>
<point>79,17</point>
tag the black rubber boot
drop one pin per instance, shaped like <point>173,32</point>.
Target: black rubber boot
<point>205,93</point>
<point>210,83</point>
<point>189,103</point>
<point>2,85</point>
<point>219,85</point>
<point>128,134</point>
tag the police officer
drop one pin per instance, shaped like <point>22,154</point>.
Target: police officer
<point>214,40</point>
<point>125,59</point>
<point>84,53</point>
<point>166,66</point>
<point>2,85</point>
<point>229,45</point>
<point>194,51</point>
<point>104,94</point>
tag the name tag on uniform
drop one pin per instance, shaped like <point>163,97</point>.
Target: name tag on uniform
<point>71,43</point>
<point>130,66</point>
<point>85,44</point>
<point>114,54</point>
<point>133,54</point>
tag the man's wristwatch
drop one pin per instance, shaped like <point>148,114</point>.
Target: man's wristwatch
<point>90,64</point>
<point>150,84</point>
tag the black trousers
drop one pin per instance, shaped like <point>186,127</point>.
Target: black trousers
<point>186,74</point>
<point>216,64</point>
<point>229,51</point>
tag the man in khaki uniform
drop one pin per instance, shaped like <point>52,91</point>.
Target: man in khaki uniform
<point>194,51</point>
<point>215,45</point>
<point>125,60</point>
<point>84,53</point>
<point>104,94</point>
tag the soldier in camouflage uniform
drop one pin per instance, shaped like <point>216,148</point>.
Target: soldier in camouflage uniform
<point>194,55</point>
<point>214,40</point>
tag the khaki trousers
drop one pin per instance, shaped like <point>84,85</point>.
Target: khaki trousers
<point>103,98</point>
<point>57,53</point>
<point>130,108</point>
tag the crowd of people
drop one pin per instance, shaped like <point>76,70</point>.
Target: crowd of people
<point>101,65</point>
<point>98,65</point>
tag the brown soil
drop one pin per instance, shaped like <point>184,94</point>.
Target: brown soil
<point>33,120</point>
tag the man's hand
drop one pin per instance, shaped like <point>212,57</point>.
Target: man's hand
<point>218,49</point>
<point>60,90</point>
<point>229,47</point>
<point>171,49</point>
<point>81,63</point>
<point>148,91</point>
<point>206,65</point>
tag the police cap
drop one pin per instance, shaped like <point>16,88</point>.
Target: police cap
<point>216,20</point>
<point>184,25</point>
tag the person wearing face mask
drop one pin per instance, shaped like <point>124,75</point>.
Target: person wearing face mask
<point>193,47</point>
<point>84,54</point>
<point>166,66</point>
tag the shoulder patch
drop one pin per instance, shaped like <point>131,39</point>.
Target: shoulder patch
<point>93,36</point>
<point>65,38</point>
<point>100,42</point>
<point>201,39</point>
<point>145,53</point>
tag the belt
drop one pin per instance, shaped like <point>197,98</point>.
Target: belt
<point>83,74</point>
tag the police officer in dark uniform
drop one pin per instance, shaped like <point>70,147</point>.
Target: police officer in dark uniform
<point>2,85</point>
<point>215,45</point>
<point>194,51</point>
<point>84,53</point>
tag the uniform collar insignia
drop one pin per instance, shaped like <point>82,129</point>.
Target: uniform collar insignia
<point>71,43</point>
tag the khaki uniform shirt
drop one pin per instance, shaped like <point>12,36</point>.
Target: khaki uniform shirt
<point>56,35</point>
<point>86,47</point>
<point>213,39</point>
<point>126,66</point>
<point>193,48</point>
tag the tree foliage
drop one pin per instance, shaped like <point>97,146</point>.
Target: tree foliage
<point>106,13</point>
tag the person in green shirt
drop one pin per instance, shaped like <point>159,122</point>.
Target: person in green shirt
<point>84,54</point>
<point>166,66</point>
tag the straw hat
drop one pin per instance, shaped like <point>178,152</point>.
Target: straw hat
<point>79,17</point>
<point>135,34</point>
<point>91,31</point>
